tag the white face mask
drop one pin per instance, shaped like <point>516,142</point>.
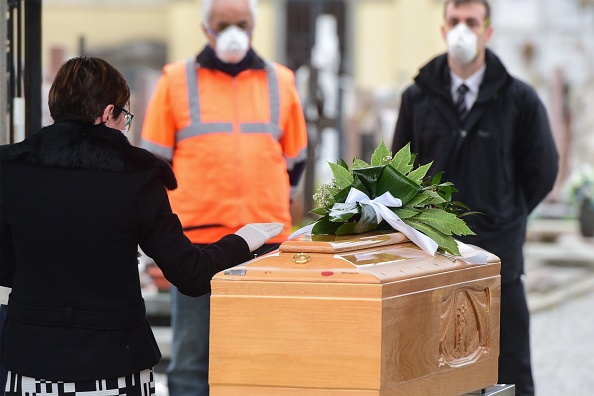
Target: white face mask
<point>462,44</point>
<point>232,44</point>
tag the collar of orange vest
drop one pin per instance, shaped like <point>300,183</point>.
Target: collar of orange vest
<point>208,59</point>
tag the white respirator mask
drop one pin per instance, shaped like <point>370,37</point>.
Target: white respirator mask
<point>462,44</point>
<point>232,44</point>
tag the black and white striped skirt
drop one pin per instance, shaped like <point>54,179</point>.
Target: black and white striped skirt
<point>139,384</point>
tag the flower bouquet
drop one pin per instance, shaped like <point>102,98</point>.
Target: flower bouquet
<point>390,193</point>
<point>580,186</point>
<point>580,191</point>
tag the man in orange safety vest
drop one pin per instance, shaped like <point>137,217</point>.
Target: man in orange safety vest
<point>232,126</point>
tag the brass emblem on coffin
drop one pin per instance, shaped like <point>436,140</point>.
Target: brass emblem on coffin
<point>301,258</point>
<point>465,326</point>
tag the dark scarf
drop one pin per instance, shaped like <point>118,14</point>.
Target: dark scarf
<point>232,69</point>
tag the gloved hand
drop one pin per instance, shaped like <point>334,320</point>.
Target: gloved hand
<point>256,234</point>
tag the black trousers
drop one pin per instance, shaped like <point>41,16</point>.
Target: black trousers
<point>514,358</point>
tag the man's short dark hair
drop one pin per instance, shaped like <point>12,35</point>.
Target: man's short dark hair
<point>456,3</point>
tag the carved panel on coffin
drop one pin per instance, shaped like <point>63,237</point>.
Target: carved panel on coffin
<point>465,326</point>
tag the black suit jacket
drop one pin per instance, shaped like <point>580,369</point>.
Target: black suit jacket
<point>502,157</point>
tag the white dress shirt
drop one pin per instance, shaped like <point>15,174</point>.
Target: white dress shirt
<point>473,83</point>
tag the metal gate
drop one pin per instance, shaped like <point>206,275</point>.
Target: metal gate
<point>20,74</point>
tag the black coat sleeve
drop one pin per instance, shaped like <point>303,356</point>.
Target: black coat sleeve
<point>7,249</point>
<point>404,123</point>
<point>536,156</point>
<point>186,266</point>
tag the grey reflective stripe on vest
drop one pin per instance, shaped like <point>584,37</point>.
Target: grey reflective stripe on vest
<point>164,152</point>
<point>197,127</point>
<point>301,157</point>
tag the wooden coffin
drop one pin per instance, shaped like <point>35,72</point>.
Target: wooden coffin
<point>354,315</point>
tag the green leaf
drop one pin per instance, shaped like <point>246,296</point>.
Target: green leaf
<point>320,211</point>
<point>358,164</point>
<point>447,223</point>
<point>342,212</point>
<point>367,223</point>
<point>342,176</point>
<point>433,198</point>
<point>403,160</point>
<point>446,194</point>
<point>445,242</point>
<point>405,213</point>
<point>346,228</point>
<point>462,206</point>
<point>437,178</point>
<point>381,155</point>
<point>418,174</point>
<point>421,199</point>
<point>401,187</point>
<point>368,219</point>
<point>325,226</point>
<point>334,191</point>
<point>446,184</point>
<point>342,195</point>
<point>360,186</point>
<point>368,178</point>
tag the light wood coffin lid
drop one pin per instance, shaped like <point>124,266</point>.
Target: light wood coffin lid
<point>376,257</point>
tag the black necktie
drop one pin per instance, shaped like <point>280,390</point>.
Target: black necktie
<point>461,101</point>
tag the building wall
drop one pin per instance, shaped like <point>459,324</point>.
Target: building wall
<point>394,38</point>
<point>101,23</point>
<point>184,35</point>
<point>391,38</point>
<point>111,23</point>
<point>547,44</point>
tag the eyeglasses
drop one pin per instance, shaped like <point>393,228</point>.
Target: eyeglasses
<point>127,115</point>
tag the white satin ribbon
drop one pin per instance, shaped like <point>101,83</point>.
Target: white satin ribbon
<point>381,206</point>
<point>303,230</point>
<point>471,255</point>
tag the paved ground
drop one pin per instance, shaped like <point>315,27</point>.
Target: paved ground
<point>558,271</point>
<point>563,348</point>
<point>560,287</point>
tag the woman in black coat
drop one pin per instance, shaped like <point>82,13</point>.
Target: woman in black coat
<point>76,200</point>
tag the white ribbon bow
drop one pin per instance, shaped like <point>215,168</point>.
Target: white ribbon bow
<point>381,206</point>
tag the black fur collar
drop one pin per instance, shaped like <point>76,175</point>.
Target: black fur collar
<point>81,145</point>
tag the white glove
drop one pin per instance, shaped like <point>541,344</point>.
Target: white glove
<point>256,234</point>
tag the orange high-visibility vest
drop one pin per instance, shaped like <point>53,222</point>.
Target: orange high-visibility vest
<point>231,141</point>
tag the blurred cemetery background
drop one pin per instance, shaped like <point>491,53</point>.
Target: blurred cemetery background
<point>352,60</point>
